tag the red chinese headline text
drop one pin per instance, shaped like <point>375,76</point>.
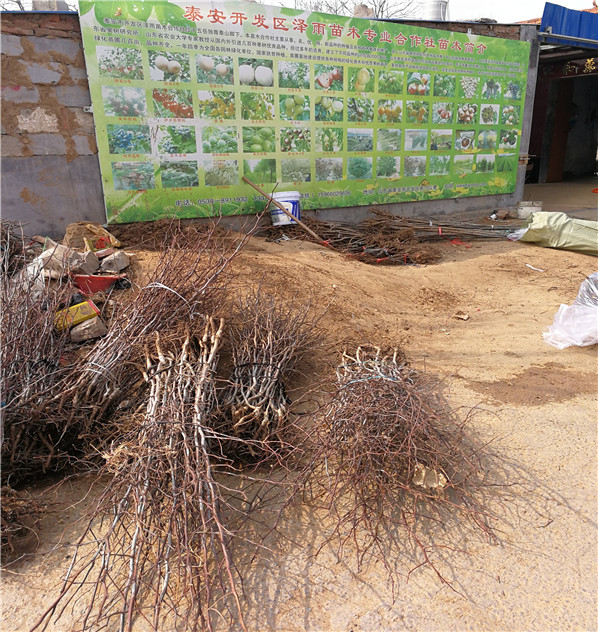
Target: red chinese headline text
<point>215,16</point>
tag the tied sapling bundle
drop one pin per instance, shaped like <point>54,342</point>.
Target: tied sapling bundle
<point>388,453</point>
<point>268,341</point>
<point>157,544</point>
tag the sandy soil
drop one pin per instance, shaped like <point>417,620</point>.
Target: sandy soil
<point>536,403</point>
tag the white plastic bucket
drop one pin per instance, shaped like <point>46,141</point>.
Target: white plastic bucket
<point>290,200</point>
<point>525,209</point>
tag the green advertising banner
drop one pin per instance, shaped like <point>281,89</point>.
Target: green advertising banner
<point>189,98</point>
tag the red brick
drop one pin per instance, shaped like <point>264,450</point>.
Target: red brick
<point>55,33</point>
<point>19,22</point>
<point>14,30</point>
<point>60,26</point>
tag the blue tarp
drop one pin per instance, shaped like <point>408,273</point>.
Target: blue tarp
<point>577,24</point>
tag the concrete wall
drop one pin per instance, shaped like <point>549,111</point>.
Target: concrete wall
<point>50,169</point>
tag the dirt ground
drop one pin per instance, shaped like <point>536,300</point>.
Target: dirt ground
<point>537,404</point>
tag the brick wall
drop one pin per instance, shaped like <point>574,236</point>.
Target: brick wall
<point>50,169</point>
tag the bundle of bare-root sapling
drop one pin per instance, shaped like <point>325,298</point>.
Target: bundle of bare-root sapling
<point>268,341</point>
<point>157,544</point>
<point>190,279</point>
<point>387,452</point>
<point>33,362</point>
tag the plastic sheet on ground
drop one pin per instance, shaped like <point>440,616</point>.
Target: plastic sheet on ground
<point>577,324</point>
<point>558,230</point>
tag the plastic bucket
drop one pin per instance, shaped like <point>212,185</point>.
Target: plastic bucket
<point>525,209</point>
<point>290,200</point>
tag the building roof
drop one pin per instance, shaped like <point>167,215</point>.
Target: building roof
<point>593,9</point>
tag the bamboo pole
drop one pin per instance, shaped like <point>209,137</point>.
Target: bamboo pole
<point>284,210</point>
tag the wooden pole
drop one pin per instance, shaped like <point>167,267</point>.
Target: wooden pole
<point>307,229</point>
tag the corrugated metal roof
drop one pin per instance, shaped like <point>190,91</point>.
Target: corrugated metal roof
<point>578,25</point>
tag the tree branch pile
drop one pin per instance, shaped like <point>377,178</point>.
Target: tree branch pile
<point>388,452</point>
<point>391,239</point>
<point>268,342</point>
<point>391,247</point>
<point>55,415</point>
<point>157,543</point>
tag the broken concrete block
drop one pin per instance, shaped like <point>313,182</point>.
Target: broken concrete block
<point>88,265</point>
<point>89,329</point>
<point>116,262</point>
<point>57,259</point>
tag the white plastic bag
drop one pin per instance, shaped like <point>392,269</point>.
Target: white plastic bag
<point>577,324</point>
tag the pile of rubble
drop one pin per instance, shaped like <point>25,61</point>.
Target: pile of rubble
<point>96,269</point>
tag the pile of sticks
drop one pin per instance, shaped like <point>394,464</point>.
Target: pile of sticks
<point>391,239</point>
<point>59,406</point>
<point>357,243</point>
<point>388,452</point>
<point>268,341</point>
<point>193,460</point>
<point>157,543</point>
<point>430,229</point>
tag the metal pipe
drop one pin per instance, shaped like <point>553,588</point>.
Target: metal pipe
<point>571,38</point>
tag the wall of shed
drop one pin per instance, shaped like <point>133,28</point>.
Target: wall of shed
<point>50,170</point>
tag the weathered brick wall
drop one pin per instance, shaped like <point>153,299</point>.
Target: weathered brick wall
<point>489,29</point>
<point>50,169</point>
